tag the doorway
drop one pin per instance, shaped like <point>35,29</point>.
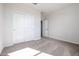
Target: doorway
<point>44,28</point>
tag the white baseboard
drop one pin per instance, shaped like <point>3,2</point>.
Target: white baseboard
<point>57,38</point>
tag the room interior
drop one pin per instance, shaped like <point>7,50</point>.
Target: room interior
<point>39,29</point>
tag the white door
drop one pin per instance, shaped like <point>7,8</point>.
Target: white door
<point>28,27</point>
<point>45,28</point>
<point>23,28</point>
<point>18,28</point>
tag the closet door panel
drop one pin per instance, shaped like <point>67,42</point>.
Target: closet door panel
<point>29,27</point>
<point>18,28</point>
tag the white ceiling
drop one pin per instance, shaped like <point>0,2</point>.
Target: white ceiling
<point>48,7</point>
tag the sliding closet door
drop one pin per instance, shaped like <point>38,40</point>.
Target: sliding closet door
<point>26,27</point>
<point>18,28</point>
<point>32,26</point>
<point>29,27</point>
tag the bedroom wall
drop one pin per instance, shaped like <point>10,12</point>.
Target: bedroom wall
<point>1,27</point>
<point>30,18</point>
<point>64,24</point>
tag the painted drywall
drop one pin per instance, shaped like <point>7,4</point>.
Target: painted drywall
<point>64,24</point>
<point>22,23</point>
<point>1,27</point>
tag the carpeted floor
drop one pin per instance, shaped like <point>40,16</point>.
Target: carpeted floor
<point>46,45</point>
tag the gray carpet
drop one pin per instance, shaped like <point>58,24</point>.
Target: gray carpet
<point>46,45</point>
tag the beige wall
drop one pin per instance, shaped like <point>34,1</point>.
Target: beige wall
<point>64,24</point>
<point>1,27</point>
